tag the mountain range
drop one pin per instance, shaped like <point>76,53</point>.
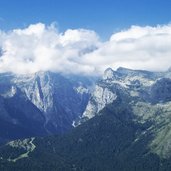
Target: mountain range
<point>40,104</point>
<point>119,122</point>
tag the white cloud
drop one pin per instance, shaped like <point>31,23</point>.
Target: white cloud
<point>40,47</point>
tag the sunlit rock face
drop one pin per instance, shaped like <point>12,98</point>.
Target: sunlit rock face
<point>151,87</point>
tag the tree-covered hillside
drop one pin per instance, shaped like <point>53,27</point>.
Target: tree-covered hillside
<point>110,142</point>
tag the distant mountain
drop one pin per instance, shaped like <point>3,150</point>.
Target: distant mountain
<point>125,126</point>
<point>135,85</point>
<point>40,104</point>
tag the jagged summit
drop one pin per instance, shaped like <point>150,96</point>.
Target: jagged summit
<point>127,71</point>
<point>120,69</point>
<point>108,73</point>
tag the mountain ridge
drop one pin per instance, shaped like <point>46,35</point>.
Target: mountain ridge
<point>59,99</point>
<point>124,126</point>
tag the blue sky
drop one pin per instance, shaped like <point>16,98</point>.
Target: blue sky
<point>103,16</point>
<point>133,34</point>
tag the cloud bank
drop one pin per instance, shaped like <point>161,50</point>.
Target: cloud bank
<point>40,48</point>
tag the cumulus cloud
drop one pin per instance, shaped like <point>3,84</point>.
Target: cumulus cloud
<point>40,48</point>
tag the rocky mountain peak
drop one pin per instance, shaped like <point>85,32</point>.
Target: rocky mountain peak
<point>108,74</point>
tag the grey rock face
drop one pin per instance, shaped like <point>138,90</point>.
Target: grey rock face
<point>57,97</point>
<point>49,98</point>
<point>133,84</point>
